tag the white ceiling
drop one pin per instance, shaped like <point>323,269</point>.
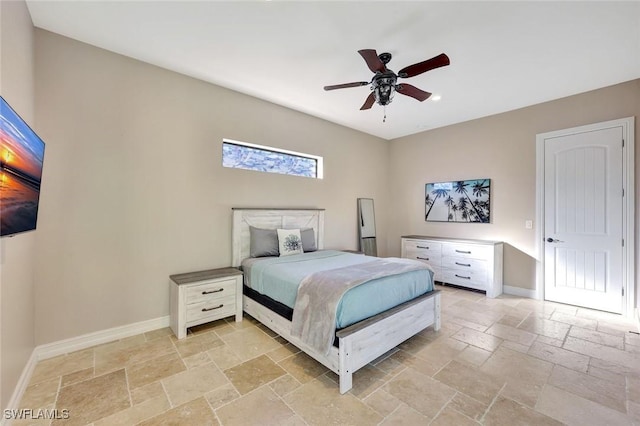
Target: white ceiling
<point>504,55</point>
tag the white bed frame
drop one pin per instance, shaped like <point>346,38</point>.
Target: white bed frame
<point>360,343</point>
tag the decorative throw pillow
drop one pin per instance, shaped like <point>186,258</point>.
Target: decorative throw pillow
<point>263,242</point>
<point>308,240</point>
<point>289,241</point>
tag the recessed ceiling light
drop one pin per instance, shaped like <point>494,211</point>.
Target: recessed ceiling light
<point>436,98</point>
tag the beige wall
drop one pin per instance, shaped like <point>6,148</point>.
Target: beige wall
<point>17,252</point>
<point>133,188</point>
<point>503,148</point>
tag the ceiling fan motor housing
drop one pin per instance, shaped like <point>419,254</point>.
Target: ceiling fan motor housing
<point>385,57</point>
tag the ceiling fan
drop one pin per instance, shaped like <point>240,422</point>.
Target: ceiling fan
<point>384,82</point>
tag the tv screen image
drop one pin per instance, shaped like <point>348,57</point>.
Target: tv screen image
<point>21,159</point>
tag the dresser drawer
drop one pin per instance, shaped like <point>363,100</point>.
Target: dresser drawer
<point>430,258</point>
<point>473,251</point>
<point>464,263</point>
<point>423,247</point>
<point>426,251</point>
<point>437,273</point>
<point>219,307</point>
<point>211,291</point>
<point>465,278</point>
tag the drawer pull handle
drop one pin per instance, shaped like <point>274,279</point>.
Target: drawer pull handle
<point>213,291</point>
<point>211,309</point>
<point>422,258</point>
<point>422,247</point>
<point>460,276</point>
<point>464,264</point>
<point>463,251</point>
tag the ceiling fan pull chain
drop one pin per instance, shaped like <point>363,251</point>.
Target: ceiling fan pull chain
<point>384,119</point>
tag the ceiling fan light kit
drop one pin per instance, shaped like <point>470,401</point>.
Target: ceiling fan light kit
<point>384,83</point>
<point>384,87</point>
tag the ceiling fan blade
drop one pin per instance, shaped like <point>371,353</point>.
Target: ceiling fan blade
<point>373,62</point>
<point>413,91</point>
<point>371,99</point>
<point>344,86</point>
<point>412,70</point>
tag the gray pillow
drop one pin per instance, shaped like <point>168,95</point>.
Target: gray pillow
<point>263,242</point>
<point>308,240</point>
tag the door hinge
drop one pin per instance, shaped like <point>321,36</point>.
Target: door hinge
<point>623,242</point>
<point>622,291</point>
<point>623,143</point>
<point>623,192</point>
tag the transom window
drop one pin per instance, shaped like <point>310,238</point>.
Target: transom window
<point>248,156</point>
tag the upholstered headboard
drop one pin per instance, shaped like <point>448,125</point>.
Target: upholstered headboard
<point>243,218</point>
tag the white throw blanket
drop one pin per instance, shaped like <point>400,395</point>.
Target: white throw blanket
<point>314,314</point>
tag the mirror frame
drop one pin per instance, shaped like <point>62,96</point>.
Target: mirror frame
<point>367,227</point>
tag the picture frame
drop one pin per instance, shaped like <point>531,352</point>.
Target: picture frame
<point>463,201</point>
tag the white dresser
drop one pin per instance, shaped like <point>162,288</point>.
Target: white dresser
<point>204,296</point>
<point>473,264</point>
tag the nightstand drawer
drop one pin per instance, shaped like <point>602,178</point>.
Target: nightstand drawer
<point>209,291</point>
<point>217,308</point>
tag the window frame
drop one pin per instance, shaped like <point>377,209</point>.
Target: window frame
<point>318,159</point>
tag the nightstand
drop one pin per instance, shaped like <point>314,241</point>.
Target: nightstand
<point>204,296</point>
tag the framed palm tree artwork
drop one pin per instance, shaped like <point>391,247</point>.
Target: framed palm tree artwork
<point>458,201</point>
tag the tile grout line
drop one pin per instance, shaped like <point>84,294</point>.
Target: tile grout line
<point>482,418</point>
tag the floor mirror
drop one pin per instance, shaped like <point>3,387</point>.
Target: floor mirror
<point>367,227</point>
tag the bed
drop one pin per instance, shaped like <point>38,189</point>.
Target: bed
<point>361,337</point>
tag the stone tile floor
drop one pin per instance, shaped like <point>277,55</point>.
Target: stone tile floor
<point>505,361</point>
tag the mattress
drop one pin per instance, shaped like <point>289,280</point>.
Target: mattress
<point>279,277</point>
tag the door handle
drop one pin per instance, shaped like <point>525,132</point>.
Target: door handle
<point>553,240</point>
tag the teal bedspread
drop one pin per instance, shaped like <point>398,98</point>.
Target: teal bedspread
<point>279,278</point>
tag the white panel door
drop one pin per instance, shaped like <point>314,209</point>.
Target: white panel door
<point>584,219</point>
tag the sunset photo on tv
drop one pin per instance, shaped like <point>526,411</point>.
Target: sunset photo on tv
<point>21,158</point>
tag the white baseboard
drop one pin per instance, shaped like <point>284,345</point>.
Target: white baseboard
<point>21,386</point>
<point>519,291</point>
<point>73,344</point>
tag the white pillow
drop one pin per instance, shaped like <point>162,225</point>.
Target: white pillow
<point>289,241</point>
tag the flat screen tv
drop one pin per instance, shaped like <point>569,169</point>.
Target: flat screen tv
<point>21,158</point>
